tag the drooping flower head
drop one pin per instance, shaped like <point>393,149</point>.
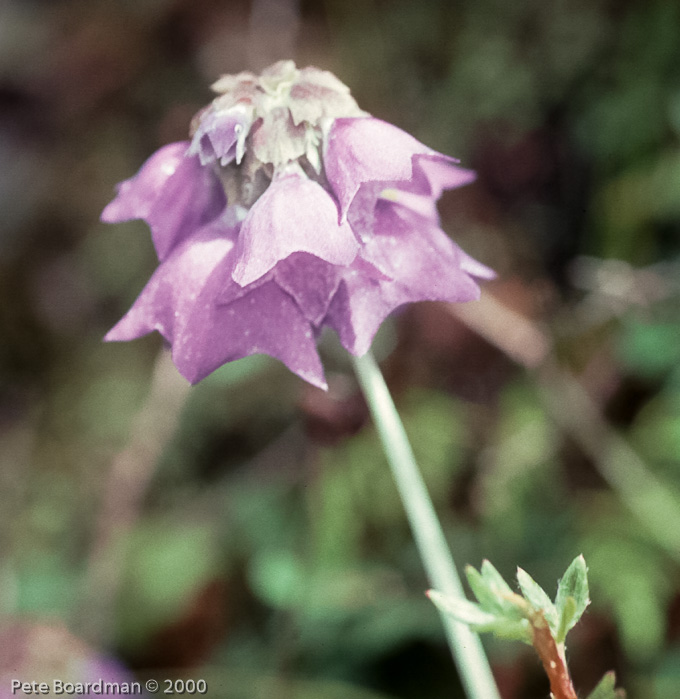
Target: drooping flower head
<point>288,211</point>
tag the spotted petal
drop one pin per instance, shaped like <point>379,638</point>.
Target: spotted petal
<point>172,193</point>
<point>264,321</point>
<point>293,215</point>
<point>310,281</point>
<point>364,149</point>
<point>417,264</point>
<point>185,302</point>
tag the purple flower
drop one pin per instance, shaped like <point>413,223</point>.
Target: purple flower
<point>290,210</point>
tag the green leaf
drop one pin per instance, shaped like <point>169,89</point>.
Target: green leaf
<point>572,597</point>
<point>606,689</point>
<point>462,610</point>
<point>567,619</point>
<point>479,588</point>
<point>508,629</point>
<point>538,599</point>
<point>480,620</point>
<point>495,580</point>
<point>491,595</point>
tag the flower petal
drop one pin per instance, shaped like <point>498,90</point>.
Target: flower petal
<point>419,263</point>
<point>436,172</point>
<point>310,281</point>
<point>365,149</point>
<point>182,301</point>
<point>415,252</point>
<point>422,204</point>
<point>221,135</point>
<point>359,308</point>
<point>293,215</point>
<point>361,304</point>
<point>168,300</point>
<point>263,321</point>
<point>172,193</point>
<point>475,268</point>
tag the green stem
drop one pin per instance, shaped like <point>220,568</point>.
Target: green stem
<point>468,653</point>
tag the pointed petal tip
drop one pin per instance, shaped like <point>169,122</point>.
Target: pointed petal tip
<point>112,213</point>
<point>134,325</point>
<point>188,371</point>
<point>194,375</point>
<point>115,335</point>
<point>244,273</point>
<point>195,380</point>
<point>476,269</point>
<point>318,382</point>
<point>121,332</point>
<point>467,177</point>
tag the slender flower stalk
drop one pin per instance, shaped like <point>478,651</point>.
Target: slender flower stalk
<point>467,650</point>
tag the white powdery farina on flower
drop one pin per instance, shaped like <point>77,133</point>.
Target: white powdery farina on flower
<point>290,210</point>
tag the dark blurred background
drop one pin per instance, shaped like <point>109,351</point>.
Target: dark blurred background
<point>246,531</point>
